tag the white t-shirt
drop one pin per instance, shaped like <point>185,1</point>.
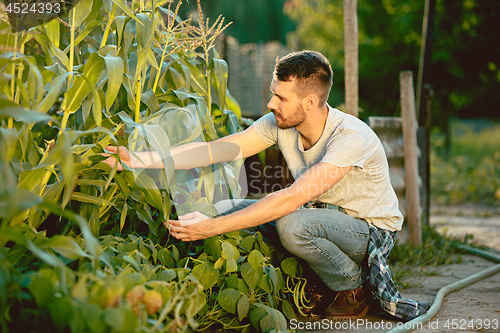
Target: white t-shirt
<point>365,192</point>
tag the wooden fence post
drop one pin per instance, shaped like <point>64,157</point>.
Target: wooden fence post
<point>410,157</point>
<point>351,56</point>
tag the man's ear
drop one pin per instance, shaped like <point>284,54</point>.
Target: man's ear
<point>312,101</point>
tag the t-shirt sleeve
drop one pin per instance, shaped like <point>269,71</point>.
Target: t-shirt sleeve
<point>266,128</point>
<point>349,149</point>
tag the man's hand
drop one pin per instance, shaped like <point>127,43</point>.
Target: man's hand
<point>192,226</point>
<point>125,157</point>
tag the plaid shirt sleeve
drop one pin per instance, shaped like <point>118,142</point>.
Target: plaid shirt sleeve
<point>379,278</point>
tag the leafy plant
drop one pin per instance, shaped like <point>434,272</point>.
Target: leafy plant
<point>470,172</point>
<point>437,250</point>
<point>82,247</point>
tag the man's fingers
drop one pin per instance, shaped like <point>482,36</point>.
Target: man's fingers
<point>187,216</point>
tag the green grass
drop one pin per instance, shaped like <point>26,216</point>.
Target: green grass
<point>409,261</point>
<point>471,171</point>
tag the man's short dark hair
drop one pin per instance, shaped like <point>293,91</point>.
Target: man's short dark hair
<point>311,69</point>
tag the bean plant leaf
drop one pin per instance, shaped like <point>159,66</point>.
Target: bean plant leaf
<point>227,250</point>
<point>61,311</point>
<point>256,259</point>
<point>206,274</point>
<point>256,315</point>
<point>290,266</point>
<point>274,320</point>
<point>228,299</point>
<point>231,266</point>
<point>166,258</point>
<point>287,309</point>
<point>250,275</point>
<point>41,288</point>
<point>243,307</point>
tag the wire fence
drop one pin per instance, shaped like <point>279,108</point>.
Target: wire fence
<point>250,72</point>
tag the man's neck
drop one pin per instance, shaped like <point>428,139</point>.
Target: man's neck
<point>312,129</point>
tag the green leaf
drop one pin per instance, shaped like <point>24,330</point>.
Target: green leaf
<point>61,311</point>
<point>53,32</point>
<point>65,246</point>
<point>46,257</point>
<point>53,92</point>
<point>231,266</point>
<point>287,309</point>
<point>166,275</point>
<point>221,74</point>
<point>274,277</point>
<point>84,33</point>
<point>63,59</point>
<point>123,186</point>
<point>29,179</point>
<point>206,274</point>
<point>268,324</point>
<point>148,186</point>
<point>82,197</point>
<point>144,216</point>
<point>114,66</point>
<point>123,216</point>
<point>25,116</point>
<point>115,318</point>
<point>227,250</point>
<point>166,258</point>
<point>83,84</point>
<point>218,264</point>
<point>93,315</point>
<point>149,98</point>
<point>228,299</point>
<point>243,307</point>
<point>127,10</point>
<point>143,30</point>
<point>198,80</point>
<point>42,289</point>
<point>250,275</point>
<point>278,321</point>
<point>290,266</point>
<point>256,259</point>
<point>82,10</point>
<point>256,316</point>
<point>264,284</point>
<point>242,286</point>
<point>247,243</point>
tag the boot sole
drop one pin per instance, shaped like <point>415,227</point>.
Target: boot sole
<point>347,317</point>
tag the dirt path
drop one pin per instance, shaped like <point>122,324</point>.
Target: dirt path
<point>458,221</point>
<point>475,308</point>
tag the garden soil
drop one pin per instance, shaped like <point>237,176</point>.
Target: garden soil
<point>475,308</point>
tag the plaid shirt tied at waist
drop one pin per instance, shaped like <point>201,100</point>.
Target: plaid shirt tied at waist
<point>377,273</point>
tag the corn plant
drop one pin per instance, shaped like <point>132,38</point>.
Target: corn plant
<point>83,246</point>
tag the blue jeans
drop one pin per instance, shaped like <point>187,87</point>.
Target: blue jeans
<point>332,243</point>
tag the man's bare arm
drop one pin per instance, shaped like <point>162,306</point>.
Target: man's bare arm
<point>310,185</point>
<point>196,154</point>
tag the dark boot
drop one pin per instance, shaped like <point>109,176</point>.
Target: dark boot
<point>317,298</point>
<point>349,304</point>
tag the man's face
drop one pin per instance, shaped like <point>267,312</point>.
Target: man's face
<point>285,105</point>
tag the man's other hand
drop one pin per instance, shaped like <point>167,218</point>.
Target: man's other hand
<point>192,226</point>
<point>125,157</point>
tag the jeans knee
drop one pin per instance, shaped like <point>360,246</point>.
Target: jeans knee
<point>290,231</point>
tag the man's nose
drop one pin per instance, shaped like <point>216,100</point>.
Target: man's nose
<point>271,105</point>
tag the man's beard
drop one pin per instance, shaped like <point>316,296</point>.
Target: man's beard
<point>294,120</point>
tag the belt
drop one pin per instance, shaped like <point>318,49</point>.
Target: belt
<point>323,205</point>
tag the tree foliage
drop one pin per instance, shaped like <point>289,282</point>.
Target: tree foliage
<point>464,70</point>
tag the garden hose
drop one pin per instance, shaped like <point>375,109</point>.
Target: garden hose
<point>409,326</point>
